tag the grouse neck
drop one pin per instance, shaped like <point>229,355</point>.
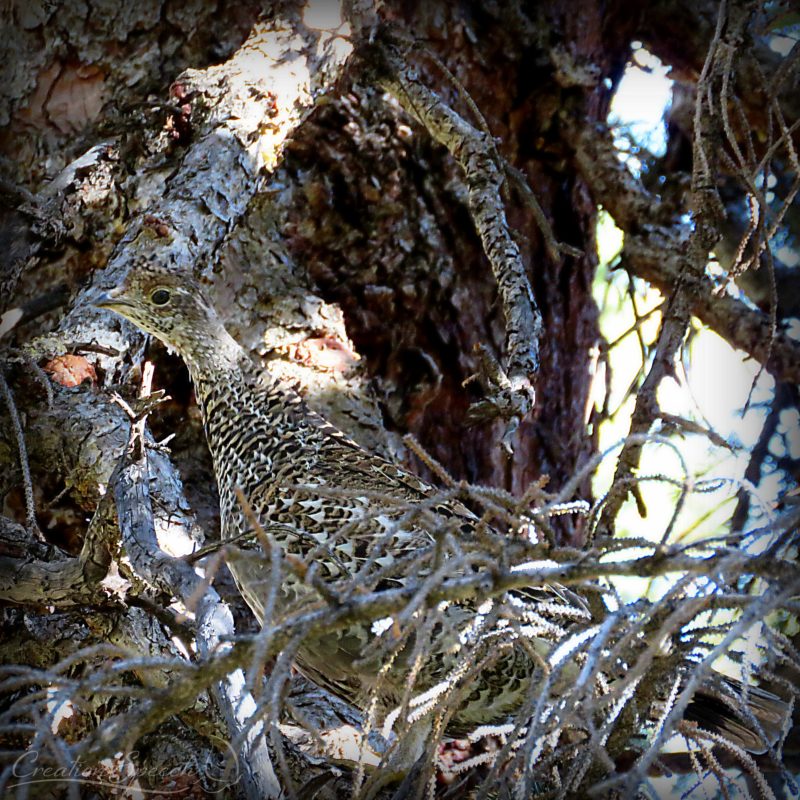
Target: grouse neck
<point>229,383</point>
<point>215,355</point>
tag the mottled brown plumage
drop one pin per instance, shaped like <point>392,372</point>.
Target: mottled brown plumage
<point>344,512</point>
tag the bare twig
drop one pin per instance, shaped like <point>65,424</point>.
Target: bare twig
<point>30,503</point>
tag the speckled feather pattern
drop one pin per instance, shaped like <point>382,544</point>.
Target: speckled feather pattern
<point>347,514</point>
<point>289,462</point>
<point>265,441</point>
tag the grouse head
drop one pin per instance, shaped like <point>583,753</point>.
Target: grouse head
<point>173,308</point>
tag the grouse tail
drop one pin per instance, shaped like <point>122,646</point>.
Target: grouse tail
<point>752,718</point>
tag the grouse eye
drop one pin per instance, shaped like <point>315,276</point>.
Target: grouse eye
<point>160,297</point>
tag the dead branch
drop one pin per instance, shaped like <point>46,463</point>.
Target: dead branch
<point>512,393</point>
<point>654,251</point>
<point>30,579</point>
<point>366,608</point>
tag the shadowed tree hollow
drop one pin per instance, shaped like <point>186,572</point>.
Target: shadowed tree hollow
<point>506,465</point>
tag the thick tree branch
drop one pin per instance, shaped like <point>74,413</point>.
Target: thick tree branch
<point>656,252</point>
<point>61,582</point>
<point>656,257</point>
<point>234,121</point>
<point>475,151</point>
<point>214,620</point>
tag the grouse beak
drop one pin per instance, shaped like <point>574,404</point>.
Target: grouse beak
<point>110,300</point>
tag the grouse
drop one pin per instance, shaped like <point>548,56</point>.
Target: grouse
<point>345,514</point>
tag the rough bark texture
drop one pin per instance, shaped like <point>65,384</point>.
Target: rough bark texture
<point>410,273</point>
